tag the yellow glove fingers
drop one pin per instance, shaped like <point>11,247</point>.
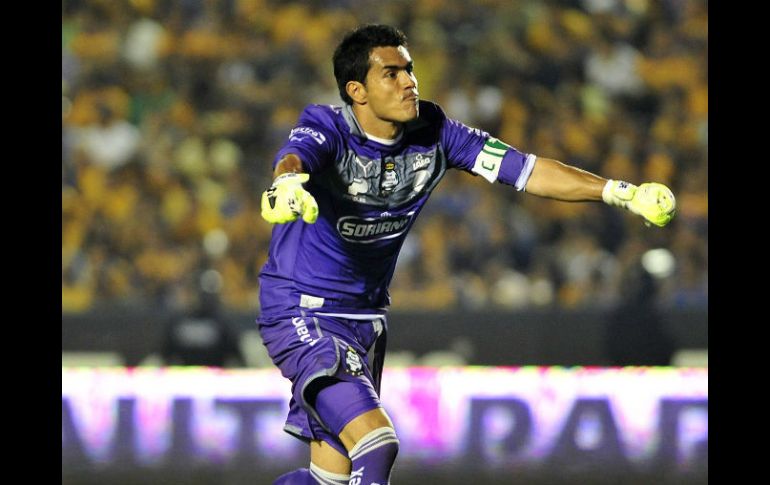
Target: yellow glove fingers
<point>659,195</point>
<point>656,203</point>
<point>309,209</point>
<point>274,213</point>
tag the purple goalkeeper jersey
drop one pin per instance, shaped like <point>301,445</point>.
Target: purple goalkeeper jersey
<point>369,194</point>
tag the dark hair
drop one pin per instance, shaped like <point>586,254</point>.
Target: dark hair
<point>351,58</point>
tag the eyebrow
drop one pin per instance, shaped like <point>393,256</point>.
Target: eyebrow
<point>409,65</point>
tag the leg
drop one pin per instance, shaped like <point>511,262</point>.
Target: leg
<point>324,456</point>
<point>374,452</point>
<point>335,398</point>
<point>327,467</point>
<point>363,425</point>
<point>352,411</point>
<point>369,437</point>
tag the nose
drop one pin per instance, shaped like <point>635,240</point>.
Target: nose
<point>408,80</point>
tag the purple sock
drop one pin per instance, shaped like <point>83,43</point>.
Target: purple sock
<point>297,477</point>
<point>373,456</point>
<point>314,476</point>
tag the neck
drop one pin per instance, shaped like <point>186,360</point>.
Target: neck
<point>373,125</point>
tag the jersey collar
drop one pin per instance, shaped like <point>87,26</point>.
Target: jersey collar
<point>356,130</point>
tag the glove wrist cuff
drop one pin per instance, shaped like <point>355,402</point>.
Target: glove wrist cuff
<point>618,193</point>
<point>291,177</point>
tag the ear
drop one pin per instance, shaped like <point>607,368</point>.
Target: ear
<point>356,91</point>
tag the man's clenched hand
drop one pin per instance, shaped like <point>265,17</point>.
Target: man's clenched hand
<point>286,200</point>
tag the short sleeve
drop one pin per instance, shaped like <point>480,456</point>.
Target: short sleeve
<point>476,152</point>
<point>314,139</point>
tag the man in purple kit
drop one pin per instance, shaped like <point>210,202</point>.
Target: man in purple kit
<point>348,185</point>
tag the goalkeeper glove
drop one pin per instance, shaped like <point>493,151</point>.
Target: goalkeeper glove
<point>653,201</point>
<point>286,200</point>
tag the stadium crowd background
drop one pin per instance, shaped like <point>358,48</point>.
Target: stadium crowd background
<point>173,110</point>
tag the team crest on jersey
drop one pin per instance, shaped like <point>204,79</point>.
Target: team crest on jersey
<point>353,364</point>
<point>389,178</point>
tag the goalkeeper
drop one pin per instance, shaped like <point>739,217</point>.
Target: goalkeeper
<point>348,185</point>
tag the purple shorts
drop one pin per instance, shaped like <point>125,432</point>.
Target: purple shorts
<point>309,346</point>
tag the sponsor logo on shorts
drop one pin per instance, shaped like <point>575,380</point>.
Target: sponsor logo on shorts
<point>370,229</point>
<point>304,334</point>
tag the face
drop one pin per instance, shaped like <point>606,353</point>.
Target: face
<point>391,88</point>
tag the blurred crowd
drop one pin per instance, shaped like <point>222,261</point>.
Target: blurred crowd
<point>172,112</point>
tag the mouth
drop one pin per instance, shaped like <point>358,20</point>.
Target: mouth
<point>414,97</point>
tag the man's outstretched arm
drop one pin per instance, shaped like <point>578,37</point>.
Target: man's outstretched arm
<point>553,179</point>
<point>556,180</point>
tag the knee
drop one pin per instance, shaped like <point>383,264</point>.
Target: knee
<point>383,439</point>
<point>356,431</point>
